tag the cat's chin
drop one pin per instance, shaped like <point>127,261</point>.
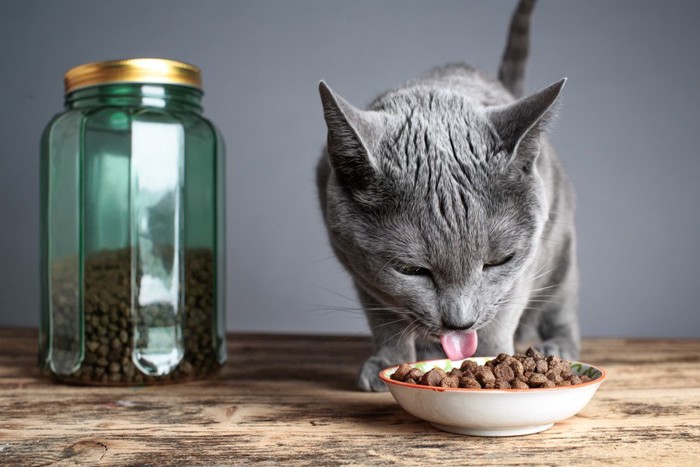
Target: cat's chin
<point>459,345</point>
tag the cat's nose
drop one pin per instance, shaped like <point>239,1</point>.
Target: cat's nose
<point>451,325</point>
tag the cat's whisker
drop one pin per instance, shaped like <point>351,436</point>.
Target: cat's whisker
<point>353,336</point>
<point>359,312</point>
<point>385,264</point>
<point>335,293</point>
<point>398,333</point>
<point>389,322</point>
<point>550,239</point>
<point>539,289</point>
<point>544,273</point>
<point>378,308</point>
<point>390,338</point>
<point>324,312</point>
<point>339,307</point>
<point>536,275</point>
<point>525,299</point>
<point>527,326</point>
<point>531,293</point>
<point>548,287</point>
<point>320,260</point>
<point>353,314</point>
<point>567,224</point>
<point>529,296</point>
<point>420,330</point>
<point>411,324</point>
<point>513,301</point>
<point>537,271</point>
<point>530,301</point>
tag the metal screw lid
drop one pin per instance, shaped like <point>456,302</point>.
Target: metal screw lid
<point>134,70</point>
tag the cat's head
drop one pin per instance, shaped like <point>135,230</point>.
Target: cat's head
<point>435,202</point>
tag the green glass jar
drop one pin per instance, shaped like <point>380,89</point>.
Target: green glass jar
<point>132,219</point>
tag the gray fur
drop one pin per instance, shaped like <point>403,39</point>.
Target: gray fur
<point>448,173</point>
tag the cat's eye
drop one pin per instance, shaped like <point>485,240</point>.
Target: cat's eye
<point>409,270</point>
<point>499,262</point>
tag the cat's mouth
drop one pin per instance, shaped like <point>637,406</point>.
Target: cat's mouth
<point>459,345</point>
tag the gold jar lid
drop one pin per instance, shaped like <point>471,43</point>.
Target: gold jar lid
<point>134,70</point>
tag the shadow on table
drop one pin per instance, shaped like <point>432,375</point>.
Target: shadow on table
<point>380,413</point>
<point>338,379</point>
<point>375,412</point>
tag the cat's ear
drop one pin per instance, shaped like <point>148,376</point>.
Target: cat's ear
<point>520,124</point>
<point>353,136</point>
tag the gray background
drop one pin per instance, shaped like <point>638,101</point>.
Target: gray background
<point>628,133</point>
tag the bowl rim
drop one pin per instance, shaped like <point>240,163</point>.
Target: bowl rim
<point>600,379</point>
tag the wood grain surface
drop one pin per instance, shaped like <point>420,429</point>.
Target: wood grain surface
<point>291,400</point>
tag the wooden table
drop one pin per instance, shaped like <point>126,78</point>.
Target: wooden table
<point>291,399</point>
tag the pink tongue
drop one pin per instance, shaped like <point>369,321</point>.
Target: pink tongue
<point>459,345</point>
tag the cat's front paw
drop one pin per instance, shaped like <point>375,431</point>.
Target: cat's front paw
<point>559,347</point>
<point>368,378</point>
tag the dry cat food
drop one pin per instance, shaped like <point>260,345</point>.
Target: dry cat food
<point>109,323</point>
<point>519,371</point>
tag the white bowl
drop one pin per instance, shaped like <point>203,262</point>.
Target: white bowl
<point>492,412</point>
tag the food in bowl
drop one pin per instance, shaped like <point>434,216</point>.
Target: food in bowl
<point>520,371</point>
<point>494,412</point>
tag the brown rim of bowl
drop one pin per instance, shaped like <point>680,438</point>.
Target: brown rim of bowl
<point>600,379</point>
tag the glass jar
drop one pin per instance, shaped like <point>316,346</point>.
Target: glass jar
<point>132,219</point>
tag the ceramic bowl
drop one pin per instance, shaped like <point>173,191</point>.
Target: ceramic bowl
<point>492,412</point>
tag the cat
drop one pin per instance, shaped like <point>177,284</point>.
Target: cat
<point>448,206</point>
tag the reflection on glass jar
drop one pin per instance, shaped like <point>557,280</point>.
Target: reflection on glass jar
<point>132,228</point>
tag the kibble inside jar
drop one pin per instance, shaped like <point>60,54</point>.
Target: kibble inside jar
<point>109,325</point>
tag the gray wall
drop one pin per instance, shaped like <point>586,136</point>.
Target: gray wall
<point>628,134</point>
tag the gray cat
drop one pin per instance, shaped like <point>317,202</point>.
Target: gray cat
<point>450,210</point>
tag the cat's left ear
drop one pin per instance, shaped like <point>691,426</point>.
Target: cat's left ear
<point>353,138</point>
<point>520,124</point>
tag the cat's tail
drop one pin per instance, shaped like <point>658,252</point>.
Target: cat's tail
<point>512,71</point>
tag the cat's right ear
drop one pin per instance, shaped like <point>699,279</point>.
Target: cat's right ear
<point>353,135</point>
<point>520,124</point>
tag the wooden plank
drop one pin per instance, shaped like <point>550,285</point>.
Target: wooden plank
<point>291,400</point>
